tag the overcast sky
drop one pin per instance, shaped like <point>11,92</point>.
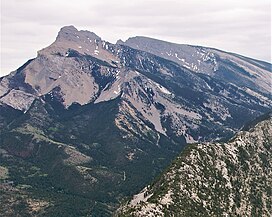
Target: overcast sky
<point>241,26</point>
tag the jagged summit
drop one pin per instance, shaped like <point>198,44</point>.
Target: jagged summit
<point>71,33</point>
<point>68,29</point>
<point>84,42</point>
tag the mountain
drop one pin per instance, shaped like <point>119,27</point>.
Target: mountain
<point>214,179</point>
<point>225,66</point>
<point>87,123</point>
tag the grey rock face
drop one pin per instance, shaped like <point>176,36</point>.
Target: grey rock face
<point>216,63</point>
<point>179,89</point>
<point>70,33</point>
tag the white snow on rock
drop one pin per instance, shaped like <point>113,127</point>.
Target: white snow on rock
<point>176,55</point>
<point>96,52</point>
<point>163,89</point>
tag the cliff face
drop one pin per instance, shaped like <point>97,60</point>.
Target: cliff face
<point>214,179</point>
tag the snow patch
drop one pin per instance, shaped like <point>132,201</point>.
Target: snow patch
<point>176,55</point>
<point>163,89</point>
<point>96,52</point>
<point>117,92</point>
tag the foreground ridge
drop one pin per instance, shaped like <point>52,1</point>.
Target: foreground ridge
<point>214,179</point>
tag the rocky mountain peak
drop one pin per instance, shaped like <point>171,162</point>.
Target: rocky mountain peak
<point>95,71</point>
<point>70,38</point>
<point>70,33</point>
<point>68,29</point>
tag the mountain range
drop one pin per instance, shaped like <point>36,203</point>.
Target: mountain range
<point>88,123</point>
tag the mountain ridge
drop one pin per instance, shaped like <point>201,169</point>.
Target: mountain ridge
<point>213,179</point>
<point>100,120</point>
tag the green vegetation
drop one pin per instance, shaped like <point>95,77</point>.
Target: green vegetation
<point>36,144</point>
<point>232,178</point>
<point>4,174</point>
